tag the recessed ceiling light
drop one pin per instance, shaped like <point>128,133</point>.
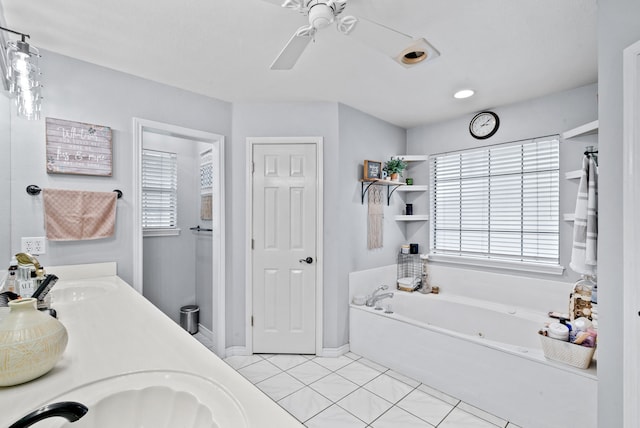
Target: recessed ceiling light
<point>464,93</point>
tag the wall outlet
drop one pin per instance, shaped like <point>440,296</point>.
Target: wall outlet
<point>34,246</point>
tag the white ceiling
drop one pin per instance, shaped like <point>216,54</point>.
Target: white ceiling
<point>506,50</point>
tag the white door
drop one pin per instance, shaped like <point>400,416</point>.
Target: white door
<point>284,220</point>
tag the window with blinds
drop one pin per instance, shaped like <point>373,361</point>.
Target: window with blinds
<point>499,202</point>
<point>159,189</point>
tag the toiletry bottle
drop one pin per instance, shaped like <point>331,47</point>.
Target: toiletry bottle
<point>10,283</point>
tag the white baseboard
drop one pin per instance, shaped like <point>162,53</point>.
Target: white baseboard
<point>324,352</point>
<point>232,351</point>
<point>334,352</point>
<point>210,337</point>
<point>205,332</point>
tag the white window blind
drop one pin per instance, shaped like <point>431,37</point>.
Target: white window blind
<point>159,189</point>
<point>499,202</point>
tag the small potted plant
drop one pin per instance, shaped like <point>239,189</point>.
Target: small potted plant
<point>394,167</point>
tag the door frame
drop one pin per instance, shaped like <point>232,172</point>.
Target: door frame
<point>139,127</point>
<point>319,143</point>
<point>631,237</point>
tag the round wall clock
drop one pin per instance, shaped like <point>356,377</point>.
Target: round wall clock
<point>484,125</point>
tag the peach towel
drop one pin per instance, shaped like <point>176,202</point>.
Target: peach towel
<point>72,215</point>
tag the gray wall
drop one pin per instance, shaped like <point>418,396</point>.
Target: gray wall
<point>84,92</point>
<point>552,114</point>
<point>271,120</point>
<point>169,262</point>
<point>5,178</point>
<point>349,137</point>
<point>361,137</point>
<point>617,28</point>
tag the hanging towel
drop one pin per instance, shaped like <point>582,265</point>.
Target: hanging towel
<point>584,255</point>
<point>375,218</point>
<point>72,215</point>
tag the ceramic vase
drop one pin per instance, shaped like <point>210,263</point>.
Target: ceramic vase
<point>31,342</point>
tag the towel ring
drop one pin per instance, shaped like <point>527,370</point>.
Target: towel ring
<point>34,190</point>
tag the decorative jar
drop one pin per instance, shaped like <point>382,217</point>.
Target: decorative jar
<point>31,342</point>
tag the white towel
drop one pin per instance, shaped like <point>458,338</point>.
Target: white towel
<point>584,255</point>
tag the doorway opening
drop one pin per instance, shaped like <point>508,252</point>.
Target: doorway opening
<point>179,216</point>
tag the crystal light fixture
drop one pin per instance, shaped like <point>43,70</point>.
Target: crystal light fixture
<point>23,75</point>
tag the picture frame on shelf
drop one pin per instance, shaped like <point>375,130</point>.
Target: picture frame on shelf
<point>372,170</point>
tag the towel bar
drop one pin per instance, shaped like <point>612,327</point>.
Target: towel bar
<point>200,229</point>
<point>34,190</point>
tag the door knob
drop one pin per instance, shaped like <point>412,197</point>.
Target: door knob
<point>308,260</point>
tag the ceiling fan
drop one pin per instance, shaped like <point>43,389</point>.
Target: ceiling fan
<point>401,47</point>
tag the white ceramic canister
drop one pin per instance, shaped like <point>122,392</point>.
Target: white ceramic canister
<point>31,342</point>
<point>558,331</point>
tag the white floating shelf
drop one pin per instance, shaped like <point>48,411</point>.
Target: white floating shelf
<point>417,217</point>
<point>412,158</point>
<point>587,129</point>
<point>414,188</point>
<point>569,217</point>
<point>570,175</point>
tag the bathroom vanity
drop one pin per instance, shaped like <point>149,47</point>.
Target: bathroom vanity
<point>119,341</point>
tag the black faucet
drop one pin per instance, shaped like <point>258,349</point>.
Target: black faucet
<point>70,410</point>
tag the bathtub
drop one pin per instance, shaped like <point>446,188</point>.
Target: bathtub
<point>485,353</point>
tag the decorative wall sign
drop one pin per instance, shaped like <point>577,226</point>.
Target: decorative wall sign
<point>78,148</point>
<point>372,170</point>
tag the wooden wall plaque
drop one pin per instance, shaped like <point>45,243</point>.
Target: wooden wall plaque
<point>78,148</point>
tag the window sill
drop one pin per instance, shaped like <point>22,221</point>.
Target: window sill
<point>160,232</point>
<point>498,264</point>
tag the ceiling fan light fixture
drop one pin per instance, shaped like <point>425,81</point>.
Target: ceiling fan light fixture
<point>320,16</point>
<point>464,93</point>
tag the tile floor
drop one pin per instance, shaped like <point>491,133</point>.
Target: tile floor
<point>353,392</point>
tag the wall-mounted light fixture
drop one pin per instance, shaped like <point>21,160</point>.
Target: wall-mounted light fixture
<point>23,75</point>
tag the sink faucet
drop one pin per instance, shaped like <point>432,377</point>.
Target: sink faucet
<point>371,300</point>
<point>70,410</point>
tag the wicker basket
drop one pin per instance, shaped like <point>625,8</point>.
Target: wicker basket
<point>566,352</point>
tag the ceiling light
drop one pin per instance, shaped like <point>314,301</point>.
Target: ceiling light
<point>23,76</point>
<point>464,93</point>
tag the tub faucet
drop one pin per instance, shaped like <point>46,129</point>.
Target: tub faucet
<point>371,300</point>
<point>379,297</point>
<point>70,410</point>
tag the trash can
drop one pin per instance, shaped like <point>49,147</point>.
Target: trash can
<point>189,318</point>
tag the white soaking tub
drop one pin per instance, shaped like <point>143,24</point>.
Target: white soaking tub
<point>485,353</point>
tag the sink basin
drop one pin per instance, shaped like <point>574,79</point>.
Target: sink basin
<point>159,399</point>
<point>76,291</point>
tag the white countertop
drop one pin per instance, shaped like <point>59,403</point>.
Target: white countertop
<point>114,330</point>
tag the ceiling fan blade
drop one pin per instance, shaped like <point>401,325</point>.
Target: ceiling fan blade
<point>377,36</point>
<point>289,4</point>
<point>294,48</point>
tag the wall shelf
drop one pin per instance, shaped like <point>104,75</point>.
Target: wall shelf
<point>414,188</point>
<point>391,187</point>
<point>416,217</point>
<point>572,175</point>
<point>586,129</point>
<point>568,217</point>
<point>412,158</point>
